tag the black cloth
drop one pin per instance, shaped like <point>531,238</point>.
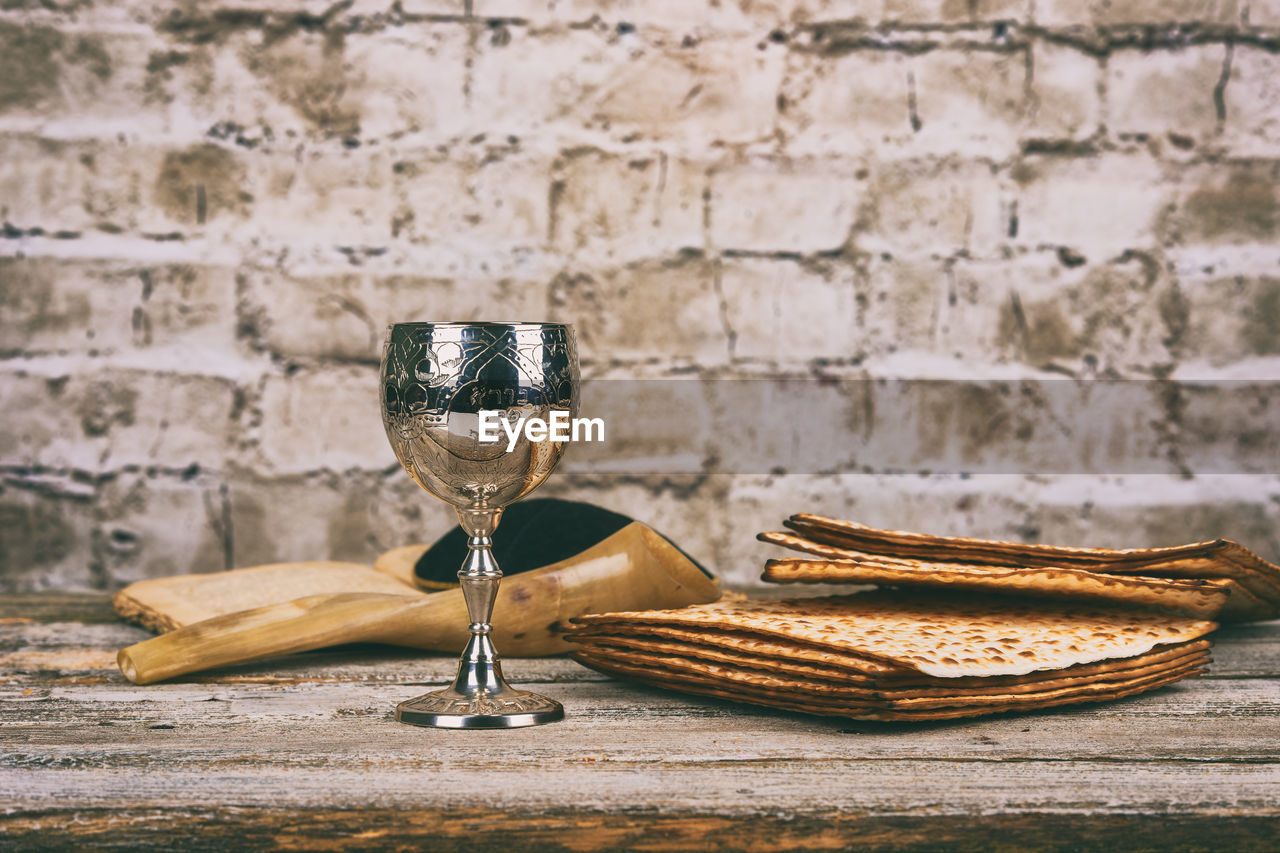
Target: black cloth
<point>532,534</point>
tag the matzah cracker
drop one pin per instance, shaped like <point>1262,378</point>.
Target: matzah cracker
<point>1193,597</point>
<point>947,636</point>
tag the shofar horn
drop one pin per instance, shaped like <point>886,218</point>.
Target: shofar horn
<point>634,569</point>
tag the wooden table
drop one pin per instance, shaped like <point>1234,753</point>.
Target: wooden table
<point>304,753</point>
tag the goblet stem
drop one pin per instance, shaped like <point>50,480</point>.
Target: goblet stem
<point>479,667</point>
<point>479,697</point>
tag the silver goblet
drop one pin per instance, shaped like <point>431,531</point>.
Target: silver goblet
<point>436,380</point>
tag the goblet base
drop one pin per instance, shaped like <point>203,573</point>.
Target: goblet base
<point>509,709</point>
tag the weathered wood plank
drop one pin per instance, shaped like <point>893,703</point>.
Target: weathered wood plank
<point>422,780</point>
<point>59,647</point>
<point>333,724</point>
<point>304,752</point>
<point>577,830</point>
<point>57,607</point>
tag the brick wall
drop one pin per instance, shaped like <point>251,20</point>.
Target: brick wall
<point>210,209</point>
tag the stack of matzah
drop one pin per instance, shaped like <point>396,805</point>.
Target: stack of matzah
<point>973,627</point>
<point>1216,580</point>
<point>890,656</point>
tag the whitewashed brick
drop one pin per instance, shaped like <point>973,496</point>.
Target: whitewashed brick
<point>505,204</point>
<point>329,195</point>
<point>627,206</point>
<point>1119,511</point>
<point>287,519</point>
<point>421,7</point>
<point>103,419</point>
<point>846,103</point>
<point>116,186</point>
<point>1264,13</point>
<point>53,305</point>
<point>522,82</point>
<point>822,11</point>
<point>932,207</point>
<point>586,81</point>
<point>48,184</point>
<point>323,516</point>
<point>901,303</point>
<point>933,12</point>
<point>784,312</point>
<point>61,76</point>
<point>1220,205</point>
<point>639,310</point>
<point>326,196</point>
<point>410,79</point>
<point>978,321</point>
<point>304,84</point>
<point>322,419</point>
<point>399,513</point>
<point>641,436</point>
<point>1229,318</point>
<point>1097,205</point>
<point>46,532</point>
<point>973,101</point>
<point>136,518</point>
<point>1104,12</point>
<point>715,91</point>
<point>307,85</point>
<point>767,205</point>
<point>1065,99</point>
<point>345,315</point>
<point>472,196</point>
<point>1252,101</point>
<point>1229,428</point>
<point>1164,91</point>
<point>1119,316</point>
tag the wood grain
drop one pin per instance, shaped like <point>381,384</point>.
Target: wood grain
<point>303,753</point>
<point>219,829</point>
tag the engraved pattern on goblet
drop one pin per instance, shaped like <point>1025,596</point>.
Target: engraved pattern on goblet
<point>518,702</point>
<point>434,373</point>
<point>436,378</point>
